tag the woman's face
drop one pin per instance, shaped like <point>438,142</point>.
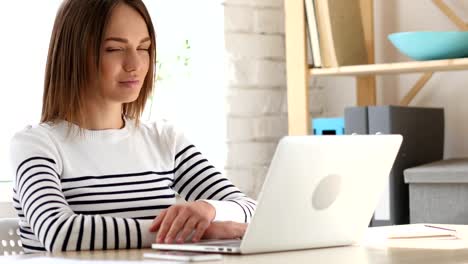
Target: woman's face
<point>125,57</point>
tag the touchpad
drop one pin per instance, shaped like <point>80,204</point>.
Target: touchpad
<point>326,192</point>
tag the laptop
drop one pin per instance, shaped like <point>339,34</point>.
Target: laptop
<point>320,191</point>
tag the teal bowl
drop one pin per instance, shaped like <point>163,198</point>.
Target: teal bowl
<point>431,45</point>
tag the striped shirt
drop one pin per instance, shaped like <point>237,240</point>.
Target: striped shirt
<point>102,189</point>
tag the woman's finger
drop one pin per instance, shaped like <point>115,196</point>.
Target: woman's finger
<point>177,225</point>
<point>189,228</point>
<point>166,224</point>
<point>157,221</point>
<point>200,230</point>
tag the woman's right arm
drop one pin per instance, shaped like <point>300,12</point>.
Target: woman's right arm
<point>37,164</point>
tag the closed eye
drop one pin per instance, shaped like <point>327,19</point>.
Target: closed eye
<point>144,48</point>
<point>114,49</point>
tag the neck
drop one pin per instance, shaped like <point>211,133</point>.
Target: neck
<point>100,117</point>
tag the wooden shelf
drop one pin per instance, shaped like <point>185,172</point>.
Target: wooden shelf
<point>393,68</point>
<point>298,72</point>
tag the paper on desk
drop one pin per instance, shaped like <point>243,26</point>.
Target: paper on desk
<point>422,231</point>
<point>417,236</point>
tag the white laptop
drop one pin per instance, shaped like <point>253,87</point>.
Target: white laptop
<point>320,191</point>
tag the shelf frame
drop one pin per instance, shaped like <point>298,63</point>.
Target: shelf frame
<point>366,91</point>
<point>393,68</point>
<point>296,68</point>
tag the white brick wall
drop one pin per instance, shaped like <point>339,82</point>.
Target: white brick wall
<point>248,129</point>
<point>255,3</point>
<point>256,97</point>
<point>269,21</point>
<point>256,102</point>
<point>239,176</point>
<point>241,19</point>
<point>250,153</point>
<point>258,72</point>
<point>254,45</point>
<point>248,102</point>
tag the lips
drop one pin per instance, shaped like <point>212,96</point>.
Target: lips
<point>130,83</point>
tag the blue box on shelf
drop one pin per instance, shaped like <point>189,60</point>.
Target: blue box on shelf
<point>328,126</point>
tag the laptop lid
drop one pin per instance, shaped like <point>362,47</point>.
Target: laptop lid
<point>320,191</point>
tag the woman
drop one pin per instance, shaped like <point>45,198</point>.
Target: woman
<point>90,175</point>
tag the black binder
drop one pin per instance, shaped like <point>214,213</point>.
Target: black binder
<point>423,142</point>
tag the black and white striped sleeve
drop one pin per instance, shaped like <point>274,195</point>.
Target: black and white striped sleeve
<point>196,179</point>
<point>38,168</point>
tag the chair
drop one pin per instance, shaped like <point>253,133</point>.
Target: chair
<point>10,241</point>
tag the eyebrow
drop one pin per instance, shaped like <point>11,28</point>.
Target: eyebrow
<point>124,40</point>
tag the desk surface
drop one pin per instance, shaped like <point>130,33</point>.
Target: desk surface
<point>374,249</point>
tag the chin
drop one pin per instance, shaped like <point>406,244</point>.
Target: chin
<point>130,100</point>
<point>130,97</point>
<point>124,96</point>
<point>125,99</point>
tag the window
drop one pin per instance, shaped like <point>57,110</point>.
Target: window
<point>192,96</point>
<point>23,49</point>
<point>190,91</point>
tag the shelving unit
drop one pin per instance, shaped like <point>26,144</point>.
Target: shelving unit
<point>299,72</point>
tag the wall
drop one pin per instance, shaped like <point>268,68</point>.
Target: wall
<point>256,81</point>
<point>257,109</point>
<point>6,208</point>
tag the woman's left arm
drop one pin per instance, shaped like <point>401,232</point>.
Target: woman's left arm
<point>210,197</point>
<point>197,180</point>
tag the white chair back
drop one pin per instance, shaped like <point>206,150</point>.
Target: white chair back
<point>10,241</point>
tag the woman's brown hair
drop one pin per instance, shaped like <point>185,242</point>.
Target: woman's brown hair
<point>76,41</point>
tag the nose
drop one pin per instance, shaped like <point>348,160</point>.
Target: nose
<point>132,61</point>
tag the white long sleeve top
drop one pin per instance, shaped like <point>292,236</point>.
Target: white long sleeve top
<point>103,188</point>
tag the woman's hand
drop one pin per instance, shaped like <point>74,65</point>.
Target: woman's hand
<point>225,230</point>
<point>179,221</point>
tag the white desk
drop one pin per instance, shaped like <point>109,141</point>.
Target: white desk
<point>373,250</point>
